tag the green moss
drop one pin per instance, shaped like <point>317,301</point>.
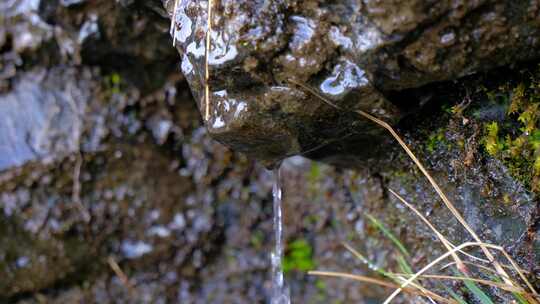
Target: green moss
<point>320,285</point>
<point>516,141</point>
<point>113,83</point>
<point>435,140</point>
<point>492,142</point>
<point>314,173</point>
<point>257,239</point>
<point>299,256</point>
<point>314,178</point>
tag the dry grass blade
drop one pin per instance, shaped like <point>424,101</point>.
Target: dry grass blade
<point>354,277</point>
<point>449,205</point>
<point>498,285</point>
<point>404,146</point>
<point>501,286</point>
<point>499,269</point>
<point>428,223</point>
<point>482,266</point>
<point>384,273</point>
<point>206,56</point>
<point>514,265</point>
<point>441,237</point>
<point>76,192</point>
<point>437,261</point>
<point>518,270</point>
<point>313,92</point>
<point>121,275</point>
<point>353,251</point>
<point>423,292</point>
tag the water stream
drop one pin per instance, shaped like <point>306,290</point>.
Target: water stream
<point>280,292</point>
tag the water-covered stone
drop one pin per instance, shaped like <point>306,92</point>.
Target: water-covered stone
<point>355,53</point>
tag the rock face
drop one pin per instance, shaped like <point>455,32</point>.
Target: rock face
<point>354,53</point>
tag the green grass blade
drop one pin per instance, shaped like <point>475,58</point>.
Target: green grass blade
<point>519,298</point>
<point>388,234</point>
<point>455,296</point>
<point>477,292</point>
<point>377,269</point>
<point>370,264</point>
<point>403,265</point>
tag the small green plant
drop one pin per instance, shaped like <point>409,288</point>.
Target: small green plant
<point>492,142</point>
<point>113,82</point>
<point>299,256</point>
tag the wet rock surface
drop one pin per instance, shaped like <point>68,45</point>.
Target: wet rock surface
<point>354,53</point>
<point>113,191</point>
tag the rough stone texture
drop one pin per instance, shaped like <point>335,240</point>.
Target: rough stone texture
<point>352,52</point>
<point>104,160</point>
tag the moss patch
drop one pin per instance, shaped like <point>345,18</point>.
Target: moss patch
<point>516,140</point>
<point>435,140</point>
<point>299,256</point>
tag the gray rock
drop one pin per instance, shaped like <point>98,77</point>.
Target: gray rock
<point>42,117</point>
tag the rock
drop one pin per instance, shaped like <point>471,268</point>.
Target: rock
<point>452,39</point>
<point>43,117</point>
<point>353,53</point>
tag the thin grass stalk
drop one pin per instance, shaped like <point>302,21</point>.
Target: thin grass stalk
<point>380,271</point>
<point>378,282</point>
<point>518,270</point>
<point>437,261</point>
<point>404,146</point>
<point>484,247</point>
<point>400,276</point>
<point>482,266</point>
<point>501,286</point>
<point>426,292</point>
<point>441,237</point>
<point>507,256</point>
<point>504,275</point>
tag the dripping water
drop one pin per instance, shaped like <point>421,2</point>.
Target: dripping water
<point>280,292</point>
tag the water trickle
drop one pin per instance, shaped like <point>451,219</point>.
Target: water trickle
<point>280,292</point>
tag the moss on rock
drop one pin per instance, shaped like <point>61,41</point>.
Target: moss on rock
<point>516,139</point>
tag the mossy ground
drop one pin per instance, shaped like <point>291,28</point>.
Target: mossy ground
<point>496,117</point>
<point>515,139</point>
